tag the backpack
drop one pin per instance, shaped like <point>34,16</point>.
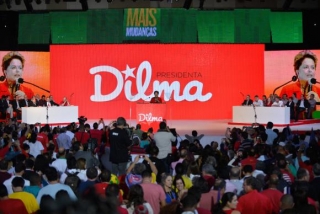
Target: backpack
<point>72,180</point>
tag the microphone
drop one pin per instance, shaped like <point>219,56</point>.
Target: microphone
<point>20,81</point>
<point>293,79</point>
<point>2,78</point>
<point>312,81</point>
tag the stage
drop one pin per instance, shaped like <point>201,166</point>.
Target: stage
<point>214,130</point>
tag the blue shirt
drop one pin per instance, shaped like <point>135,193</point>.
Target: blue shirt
<point>34,190</point>
<point>63,140</point>
<point>52,190</point>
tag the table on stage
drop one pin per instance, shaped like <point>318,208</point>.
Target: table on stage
<point>56,114</point>
<point>245,114</point>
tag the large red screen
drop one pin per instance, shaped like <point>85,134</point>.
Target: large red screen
<point>196,81</point>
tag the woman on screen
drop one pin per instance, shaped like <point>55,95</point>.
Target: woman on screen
<point>12,68</point>
<point>305,63</point>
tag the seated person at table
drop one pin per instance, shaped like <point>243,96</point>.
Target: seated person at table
<point>247,101</point>
<point>302,106</point>
<point>257,102</point>
<point>64,102</point>
<point>156,98</point>
<point>277,102</point>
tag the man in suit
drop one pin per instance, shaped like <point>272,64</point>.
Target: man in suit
<point>247,101</point>
<point>3,106</point>
<point>290,104</point>
<point>42,101</point>
<point>52,102</point>
<point>302,106</point>
<point>24,102</point>
<point>16,105</point>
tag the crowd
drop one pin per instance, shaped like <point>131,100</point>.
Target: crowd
<point>298,107</point>
<point>84,169</point>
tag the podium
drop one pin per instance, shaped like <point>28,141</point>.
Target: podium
<point>150,115</point>
<point>57,114</point>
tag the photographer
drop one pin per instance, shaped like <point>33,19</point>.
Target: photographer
<point>119,147</point>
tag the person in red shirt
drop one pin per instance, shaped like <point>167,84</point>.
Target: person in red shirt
<point>81,135</point>
<point>9,206</point>
<point>104,177</point>
<point>156,98</point>
<point>272,193</point>
<point>43,138</point>
<point>250,160</point>
<point>95,133</point>
<point>253,201</point>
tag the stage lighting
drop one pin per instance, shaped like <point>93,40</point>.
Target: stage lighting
<point>38,1</point>
<point>84,4</point>
<point>8,3</point>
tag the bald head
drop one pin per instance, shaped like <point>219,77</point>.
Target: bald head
<point>183,153</point>
<point>61,152</point>
<point>235,173</point>
<point>286,202</point>
<point>273,181</point>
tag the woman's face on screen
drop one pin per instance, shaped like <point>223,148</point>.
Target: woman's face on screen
<point>307,69</point>
<point>14,70</point>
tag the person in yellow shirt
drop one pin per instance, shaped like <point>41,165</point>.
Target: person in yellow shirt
<point>28,199</point>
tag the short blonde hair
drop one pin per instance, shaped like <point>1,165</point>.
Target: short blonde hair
<point>9,57</point>
<point>301,56</point>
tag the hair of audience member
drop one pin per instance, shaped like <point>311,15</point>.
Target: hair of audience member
<point>146,174</point>
<point>139,168</point>
<point>301,173</point>
<point>269,125</point>
<point>183,153</point>
<point>61,152</point>
<point>244,135</point>
<point>164,177</point>
<point>29,163</point>
<point>112,190</point>
<point>121,121</point>
<point>81,163</point>
<point>48,205</point>
<point>300,198</point>
<point>179,169</point>
<point>35,179</point>
<point>20,158</point>
<point>260,165</point>
<point>63,199</point>
<point>194,133</point>
<point>189,201</point>
<point>176,178</point>
<point>3,191</point>
<point>51,174</point>
<point>17,182</point>
<point>20,167</point>
<point>273,181</point>
<point>193,168</point>
<point>247,169</point>
<point>26,147</point>
<point>92,173</point>
<point>253,182</point>
<point>4,164</point>
<point>219,184</point>
<point>150,130</point>
<point>173,208</point>
<point>105,175</point>
<point>201,183</point>
<point>144,136</point>
<point>211,160</point>
<point>135,196</point>
<point>41,163</point>
<point>162,125</point>
<point>184,144</point>
<point>316,169</point>
<point>33,137</point>
<point>226,197</point>
<point>287,201</point>
<point>154,150</point>
<point>71,162</point>
<point>76,146</point>
<point>208,169</point>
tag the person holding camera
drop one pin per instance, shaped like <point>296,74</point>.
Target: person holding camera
<point>119,147</point>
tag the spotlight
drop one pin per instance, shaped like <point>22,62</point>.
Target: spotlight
<point>8,3</point>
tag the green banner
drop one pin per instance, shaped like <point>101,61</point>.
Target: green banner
<point>141,24</point>
<point>215,26</point>
<point>34,29</point>
<point>286,27</point>
<point>178,25</point>
<point>68,27</point>
<point>103,26</point>
<point>252,26</point>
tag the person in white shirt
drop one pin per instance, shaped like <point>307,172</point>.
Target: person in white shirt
<point>19,170</point>
<point>36,147</point>
<point>257,102</point>
<point>61,163</point>
<point>277,102</point>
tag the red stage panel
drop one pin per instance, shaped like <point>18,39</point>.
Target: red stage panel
<point>198,81</point>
